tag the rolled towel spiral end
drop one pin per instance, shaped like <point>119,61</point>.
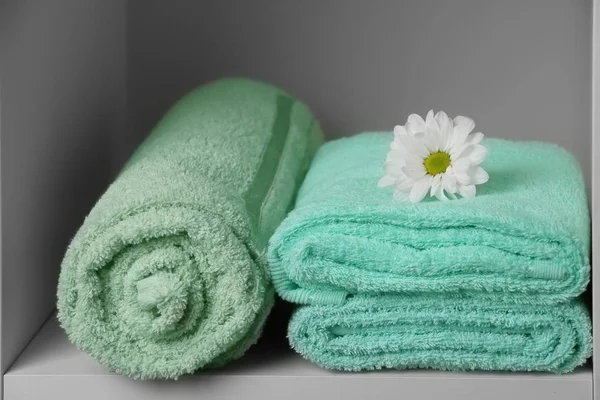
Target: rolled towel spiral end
<point>162,291</point>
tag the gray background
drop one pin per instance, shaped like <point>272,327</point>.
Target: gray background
<point>82,82</point>
<point>519,68</point>
<point>62,90</point>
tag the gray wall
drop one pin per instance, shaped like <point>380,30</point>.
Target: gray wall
<point>520,68</point>
<point>62,88</point>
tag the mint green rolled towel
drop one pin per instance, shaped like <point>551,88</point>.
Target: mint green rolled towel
<point>168,273</point>
<point>523,238</point>
<point>448,334</point>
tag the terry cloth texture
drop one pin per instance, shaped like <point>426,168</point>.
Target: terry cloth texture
<point>441,333</point>
<point>168,273</point>
<point>523,240</point>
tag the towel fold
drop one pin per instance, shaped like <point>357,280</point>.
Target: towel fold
<point>523,238</point>
<point>482,283</point>
<point>168,272</point>
<point>448,334</point>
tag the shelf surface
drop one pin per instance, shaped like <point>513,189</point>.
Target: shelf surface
<point>51,367</point>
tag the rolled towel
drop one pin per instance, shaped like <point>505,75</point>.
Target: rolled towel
<point>523,239</point>
<point>168,273</point>
<point>449,334</point>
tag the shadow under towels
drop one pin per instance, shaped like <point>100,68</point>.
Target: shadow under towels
<point>483,283</point>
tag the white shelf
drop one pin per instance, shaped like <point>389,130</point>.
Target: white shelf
<point>50,367</point>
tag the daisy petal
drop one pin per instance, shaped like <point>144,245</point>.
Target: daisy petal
<point>414,172</point>
<point>465,125</point>
<point>403,182</point>
<point>478,175</point>
<point>449,182</point>
<point>399,130</point>
<point>414,124</point>
<point>446,128</point>
<point>439,194</point>
<point>386,181</point>
<point>429,117</point>
<point>431,124</point>
<point>463,178</point>
<point>455,151</point>
<point>429,141</point>
<point>413,146</point>
<point>474,138</point>
<point>467,191</point>
<point>436,183</point>
<point>411,159</point>
<point>461,165</point>
<point>398,147</point>
<point>420,189</point>
<point>400,195</point>
<point>477,154</point>
<point>462,127</point>
<point>393,167</point>
<point>400,159</point>
<point>395,154</point>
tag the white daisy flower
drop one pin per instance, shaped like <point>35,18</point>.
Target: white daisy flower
<point>437,155</point>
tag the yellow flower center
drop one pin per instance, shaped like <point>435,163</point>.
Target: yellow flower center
<point>437,163</point>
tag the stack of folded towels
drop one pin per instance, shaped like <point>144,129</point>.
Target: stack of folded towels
<point>485,283</point>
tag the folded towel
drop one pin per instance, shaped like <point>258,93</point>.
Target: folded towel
<point>524,238</point>
<point>168,274</point>
<point>482,283</point>
<point>455,334</point>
